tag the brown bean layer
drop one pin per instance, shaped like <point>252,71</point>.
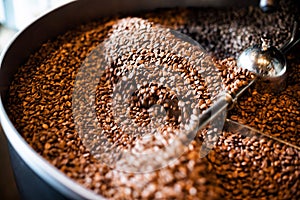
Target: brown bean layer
<point>239,167</point>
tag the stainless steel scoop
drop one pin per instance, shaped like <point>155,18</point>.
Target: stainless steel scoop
<point>270,66</point>
<point>263,60</point>
<point>267,60</point>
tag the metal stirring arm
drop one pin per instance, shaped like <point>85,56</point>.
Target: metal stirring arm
<point>220,106</point>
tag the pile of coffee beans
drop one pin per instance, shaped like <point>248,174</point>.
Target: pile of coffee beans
<point>277,115</point>
<point>243,164</point>
<point>225,32</point>
<point>252,166</point>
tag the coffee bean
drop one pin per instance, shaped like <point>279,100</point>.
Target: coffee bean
<point>241,166</point>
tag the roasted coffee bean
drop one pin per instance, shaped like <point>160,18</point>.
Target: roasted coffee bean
<point>248,170</point>
<point>241,166</point>
<point>274,114</point>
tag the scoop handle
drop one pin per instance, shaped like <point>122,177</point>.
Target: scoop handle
<point>295,38</point>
